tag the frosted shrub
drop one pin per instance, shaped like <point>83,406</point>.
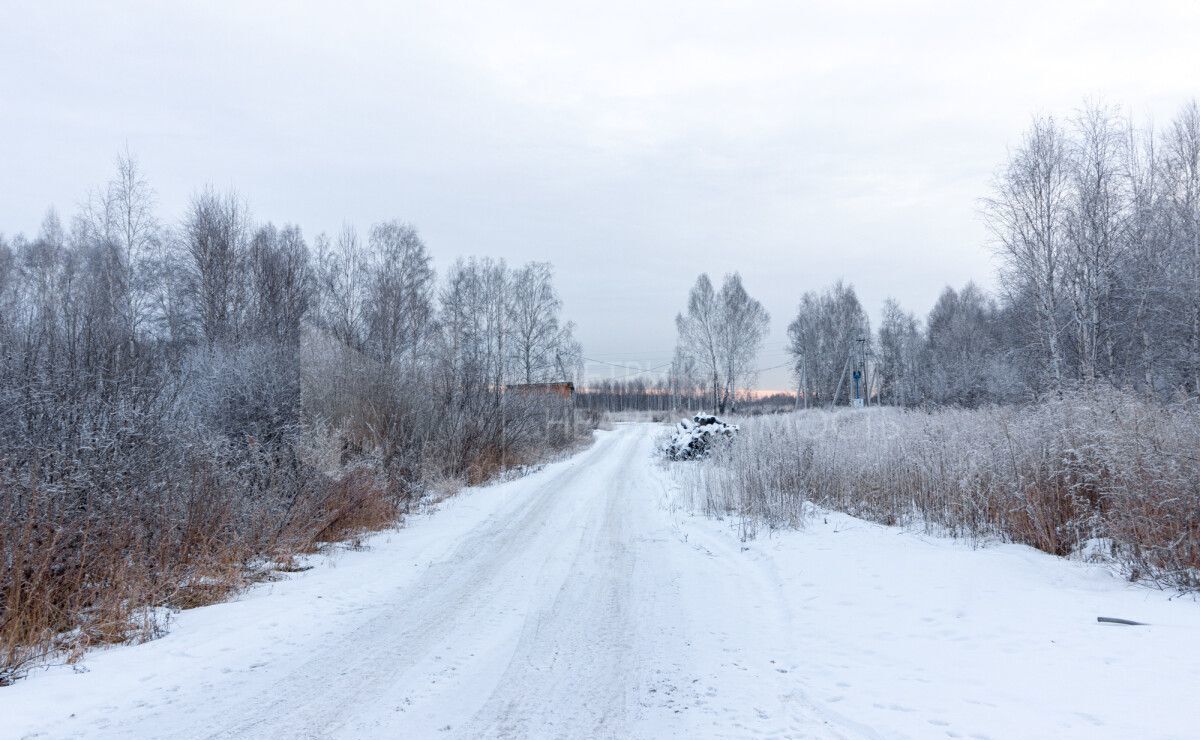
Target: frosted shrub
<point>183,409</point>
<point>1099,466</point>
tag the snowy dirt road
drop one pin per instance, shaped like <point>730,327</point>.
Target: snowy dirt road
<point>576,603</point>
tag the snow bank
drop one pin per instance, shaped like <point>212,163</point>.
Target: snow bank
<point>914,636</point>
<point>697,438</point>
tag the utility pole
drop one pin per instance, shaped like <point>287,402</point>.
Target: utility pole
<point>799,386</point>
<point>862,357</point>
<point>841,379</point>
<point>804,378</point>
<point>860,367</point>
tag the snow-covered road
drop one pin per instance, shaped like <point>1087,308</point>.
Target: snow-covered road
<point>575,603</point>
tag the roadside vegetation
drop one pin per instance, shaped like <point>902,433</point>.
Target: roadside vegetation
<point>1097,473</point>
<point>186,407</point>
<point>1061,413</point>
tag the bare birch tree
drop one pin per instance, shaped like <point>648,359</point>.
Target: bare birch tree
<point>536,333</point>
<point>214,235</point>
<point>1097,232</point>
<point>743,325</point>
<point>722,332</point>
<point>1182,180</point>
<point>1027,215</point>
<point>699,332</point>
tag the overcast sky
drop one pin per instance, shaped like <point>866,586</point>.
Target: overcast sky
<point>632,144</point>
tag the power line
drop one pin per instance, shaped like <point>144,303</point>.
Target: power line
<point>635,370</point>
<point>773,367</point>
<point>658,368</point>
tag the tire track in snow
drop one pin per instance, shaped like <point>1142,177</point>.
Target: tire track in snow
<point>455,595</point>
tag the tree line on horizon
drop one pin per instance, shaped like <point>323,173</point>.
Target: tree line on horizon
<point>1059,413</point>
<point>1096,224</point>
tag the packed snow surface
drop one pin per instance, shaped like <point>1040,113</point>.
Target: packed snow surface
<point>579,602</point>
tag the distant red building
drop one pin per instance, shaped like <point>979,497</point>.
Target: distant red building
<point>565,391</point>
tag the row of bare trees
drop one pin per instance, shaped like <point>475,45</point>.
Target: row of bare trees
<point>180,401</point>
<point>669,392</point>
<point>1096,224</point>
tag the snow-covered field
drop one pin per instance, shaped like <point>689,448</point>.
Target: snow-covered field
<point>577,602</point>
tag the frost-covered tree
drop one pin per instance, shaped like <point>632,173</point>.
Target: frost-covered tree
<point>743,327</point>
<point>963,358</point>
<point>542,347</point>
<point>1181,178</point>
<point>721,333</point>
<point>900,357</point>
<point>823,339</point>
<point>215,235</point>
<point>175,403</point>
<point>399,305</point>
<point>1028,216</point>
<point>1097,234</point>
